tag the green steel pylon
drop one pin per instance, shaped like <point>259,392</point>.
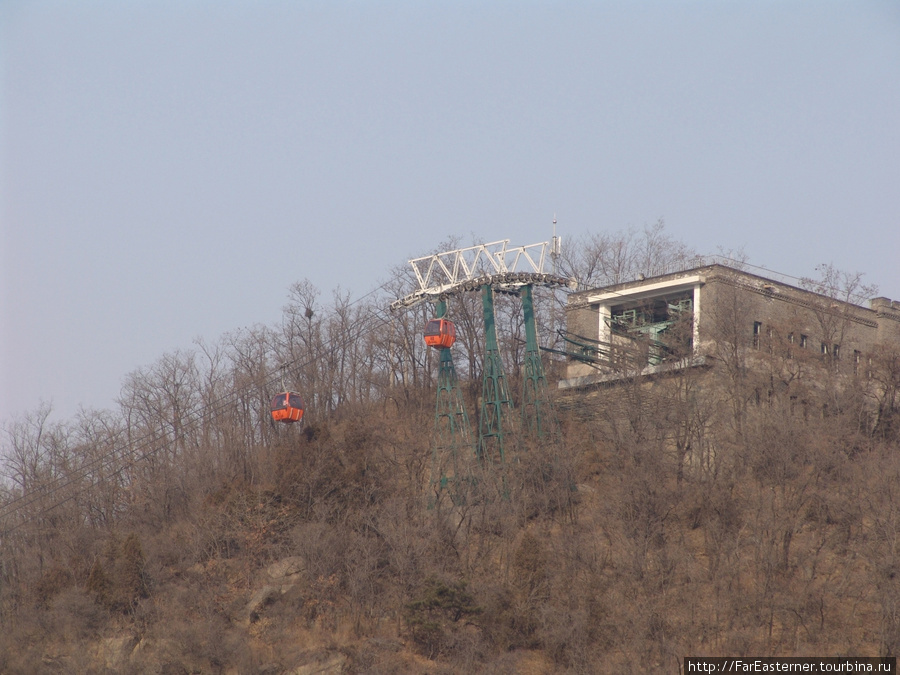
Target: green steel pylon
<point>537,415</point>
<point>494,392</point>
<point>452,447</point>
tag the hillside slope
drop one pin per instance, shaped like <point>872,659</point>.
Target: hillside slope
<point>642,534</point>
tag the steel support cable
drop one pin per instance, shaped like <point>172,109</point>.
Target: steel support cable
<point>210,411</point>
<point>107,460</point>
<point>18,504</point>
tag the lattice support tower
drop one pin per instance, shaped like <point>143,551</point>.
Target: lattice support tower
<point>538,418</point>
<point>494,391</point>
<point>452,446</point>
<point>485,268</point>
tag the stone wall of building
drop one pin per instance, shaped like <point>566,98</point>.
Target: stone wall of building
<point>763,315</point>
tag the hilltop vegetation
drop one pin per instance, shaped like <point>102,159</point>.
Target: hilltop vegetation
<point>686,515</point>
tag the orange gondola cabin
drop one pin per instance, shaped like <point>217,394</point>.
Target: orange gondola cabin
<point>287,407</point>
<point>440,333</point>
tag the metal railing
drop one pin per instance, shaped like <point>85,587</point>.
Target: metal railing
<point>804,283</point>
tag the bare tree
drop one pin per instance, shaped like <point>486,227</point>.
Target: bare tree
<point>24,457</point>
<point>603,259</point>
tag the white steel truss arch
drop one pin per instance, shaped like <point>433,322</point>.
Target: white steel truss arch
<point>498,262</point>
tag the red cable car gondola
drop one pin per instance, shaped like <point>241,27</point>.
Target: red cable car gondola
<point>287,407</point>
<point>440,333</point>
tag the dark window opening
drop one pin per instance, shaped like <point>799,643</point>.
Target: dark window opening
<point>656,329</point>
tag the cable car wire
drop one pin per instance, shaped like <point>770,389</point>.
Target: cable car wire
<point>214,409</point>
<point>146,441</point>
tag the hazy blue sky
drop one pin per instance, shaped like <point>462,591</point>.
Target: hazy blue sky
<point>169,169</point>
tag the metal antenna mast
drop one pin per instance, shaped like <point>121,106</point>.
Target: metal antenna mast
<point>555,248</point>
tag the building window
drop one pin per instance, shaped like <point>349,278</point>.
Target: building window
<point>857,358</point>
<point>803,341</point>
<point>757,330</point>
<point>835,352</point>
<point>824,349</point>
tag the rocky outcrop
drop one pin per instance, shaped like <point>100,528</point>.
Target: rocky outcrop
<point>283,576</point>
<point>329,664</point>
<point>286,570</point>
<point>115,652</point>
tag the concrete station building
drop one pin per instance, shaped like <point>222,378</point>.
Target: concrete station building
<point>674,319</point>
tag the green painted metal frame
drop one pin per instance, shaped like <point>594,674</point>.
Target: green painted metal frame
<point>452,446</point>
<point>538,418</point>
<point>494,391</point>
